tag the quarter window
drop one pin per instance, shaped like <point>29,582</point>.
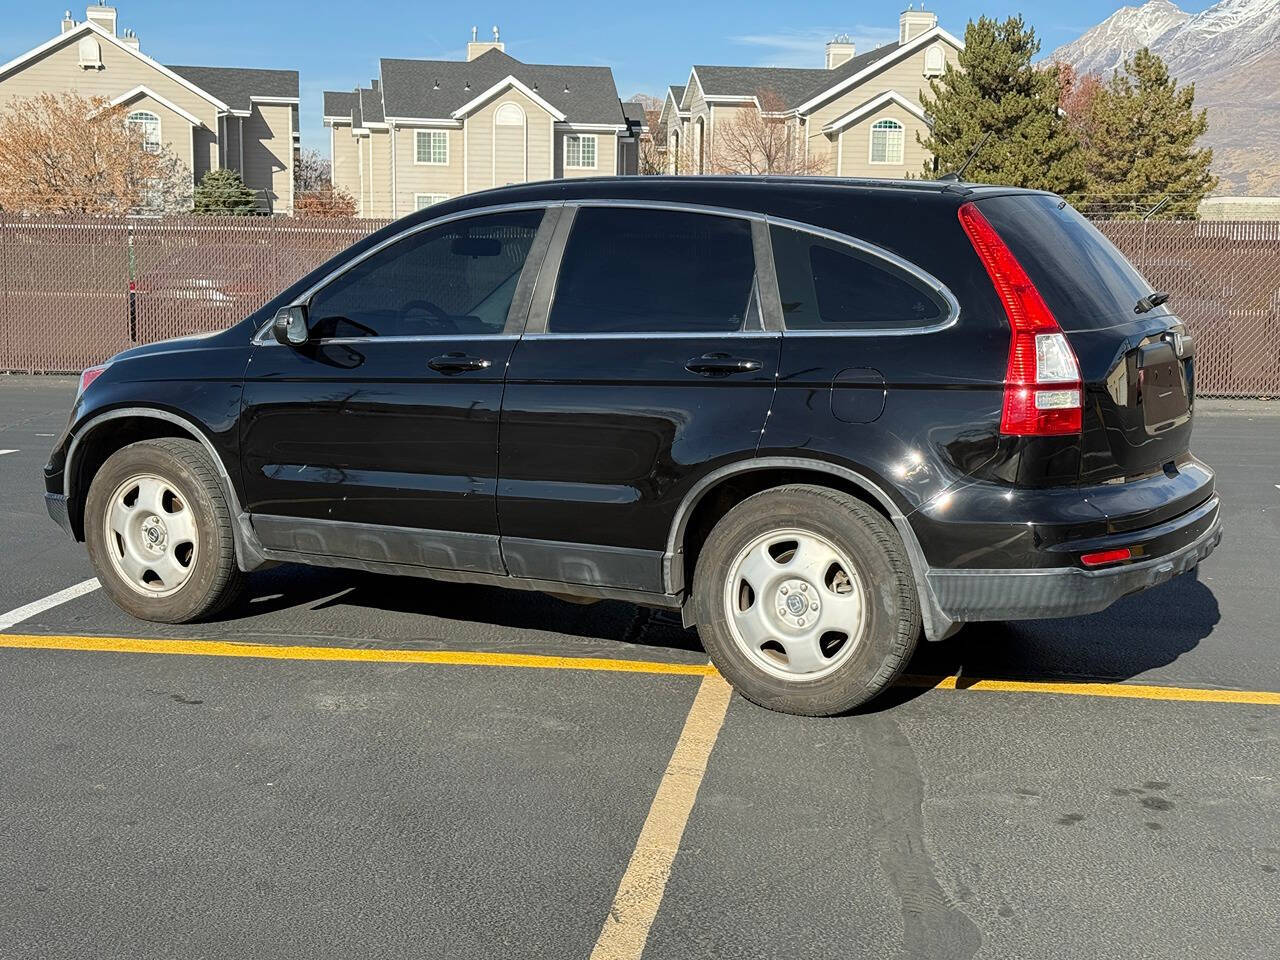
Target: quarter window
<point>630,270</point>
<point>148,125</point>
<point>580,150</point>
<point>456,279</point>
<point>431,146</point>
<point>828,285</point>
<point>886,141</point>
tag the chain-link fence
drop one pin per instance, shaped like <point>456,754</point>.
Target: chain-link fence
<point>75,290</point>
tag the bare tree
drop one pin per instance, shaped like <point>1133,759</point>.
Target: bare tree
<point>67,153</point>
<point>311,171</point>
<point>761,139</point>
<point>324,201</point>
<point>652,153</point>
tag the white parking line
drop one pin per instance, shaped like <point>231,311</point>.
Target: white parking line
<point>37,607</point>
<point>3,452</point>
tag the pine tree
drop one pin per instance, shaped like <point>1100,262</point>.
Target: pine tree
<point>1142,145</point>
<point>223,193</point>
<point>996,89</point>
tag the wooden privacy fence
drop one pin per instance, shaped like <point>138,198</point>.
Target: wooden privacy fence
<point>66,300</point>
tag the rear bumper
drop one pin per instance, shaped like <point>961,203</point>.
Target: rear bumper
<point>974,595</point>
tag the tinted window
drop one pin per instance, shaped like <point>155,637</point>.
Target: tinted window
<point>456,279</point>
<point>1086,282</point>
<point>629,270</point>
<point>828,285</point>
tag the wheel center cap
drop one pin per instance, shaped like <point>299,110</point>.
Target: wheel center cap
<point>796,604</point>
<point>154,532</point>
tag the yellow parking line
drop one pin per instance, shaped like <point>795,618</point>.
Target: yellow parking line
<point>268,651</point>
<point>639,895</point>
<point>1136,691</point>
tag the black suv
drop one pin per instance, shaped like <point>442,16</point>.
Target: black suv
<point>815,415</point>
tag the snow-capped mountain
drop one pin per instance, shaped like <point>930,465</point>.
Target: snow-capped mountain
<point>1231,52</point>
<point>1105,47</point>
<point>1228,35</point>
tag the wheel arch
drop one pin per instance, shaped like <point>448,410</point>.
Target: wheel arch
<point>680,555</point>
<point>102,434</point>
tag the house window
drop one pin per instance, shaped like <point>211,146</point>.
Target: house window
<point>580,150</point>
<point>148,124</point>
<point>423,200</point>
<point>933,62</point>
<point>431,146</point>
<point>886,141</point>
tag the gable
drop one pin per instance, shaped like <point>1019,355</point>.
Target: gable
<point>861,70</point>
<point>55,65</point>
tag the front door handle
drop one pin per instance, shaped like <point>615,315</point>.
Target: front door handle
<point>721,364</point>
<point>457,363</point>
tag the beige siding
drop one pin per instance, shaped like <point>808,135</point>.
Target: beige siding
<point>378,171</point>
<point>723,115</point>
<point>606,155</point>
<point>414,178</point>
<point>854,146</point>
<point>346,164</point>
<point>59,69</point>
<point>268,154</point>
<point>511,158</point>
<point>906,77</point>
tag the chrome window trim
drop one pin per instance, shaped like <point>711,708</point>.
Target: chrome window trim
<point>906,266</point>
<point>654,335</point>
<point>260,339</point>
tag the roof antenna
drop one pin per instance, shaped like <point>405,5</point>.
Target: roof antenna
<point>956,175</point>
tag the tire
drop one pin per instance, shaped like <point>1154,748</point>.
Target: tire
<point>749,584</point>
<point>174,483</point>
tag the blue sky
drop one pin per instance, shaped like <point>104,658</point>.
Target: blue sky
<point>648,44</point>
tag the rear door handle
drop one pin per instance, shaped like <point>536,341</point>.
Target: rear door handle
<point>457,363</point>
<point>721,364</point>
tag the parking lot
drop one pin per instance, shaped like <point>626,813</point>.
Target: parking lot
<point>347,765</point>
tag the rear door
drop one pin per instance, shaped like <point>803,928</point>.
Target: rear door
<point>1135,359</point>
<point>645,364</point>
<point>377,439</point>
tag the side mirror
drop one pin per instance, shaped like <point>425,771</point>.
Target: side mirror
<point>290,326</point>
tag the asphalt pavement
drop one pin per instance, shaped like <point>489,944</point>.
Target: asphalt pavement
<point>216,805</point>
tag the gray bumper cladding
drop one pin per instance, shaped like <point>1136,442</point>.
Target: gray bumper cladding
<point>974,595</point>
<point>56,504</point>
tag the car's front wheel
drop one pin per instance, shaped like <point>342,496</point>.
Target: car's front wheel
<point>806,601</point>
<point>158,531</point>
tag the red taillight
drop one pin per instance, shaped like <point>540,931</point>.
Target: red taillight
<point>1103,557</point>
<point>1042,388</point>
<point>90,375</point>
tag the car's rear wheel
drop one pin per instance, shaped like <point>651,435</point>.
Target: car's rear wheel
<point>805,599</point>
<point>158,531</point>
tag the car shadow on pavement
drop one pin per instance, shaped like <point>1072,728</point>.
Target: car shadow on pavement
<point>1136,635</point>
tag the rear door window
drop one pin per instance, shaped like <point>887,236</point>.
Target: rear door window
<point>457,279</point>
<point>1085,280</point>
<point>828,285</point>
<point>635,270</point>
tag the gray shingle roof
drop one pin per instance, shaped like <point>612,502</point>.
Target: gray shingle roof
<point>235,85</point>
<point>634,112</point>
<point>436,88</point>
<point>677,91</point>
<point>794,85</point>
<point>338,104</point>
<point>370,105</point>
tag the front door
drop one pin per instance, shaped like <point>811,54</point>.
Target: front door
<point>650,367</point>
<point>377,439</point>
